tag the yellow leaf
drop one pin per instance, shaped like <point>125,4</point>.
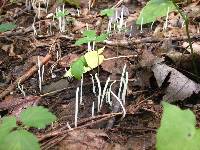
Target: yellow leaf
<point>94,58</point>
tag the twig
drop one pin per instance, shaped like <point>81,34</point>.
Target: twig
<point>24,77</point>
<point>125,43</point>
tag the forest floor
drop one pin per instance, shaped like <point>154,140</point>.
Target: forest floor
<point>37,36</point>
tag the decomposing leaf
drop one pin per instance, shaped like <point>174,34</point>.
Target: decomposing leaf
<point>195,46</point>
<point>87,139</point>
<point>68,59</point>
<point>180,87</point>
<point>114,65</point>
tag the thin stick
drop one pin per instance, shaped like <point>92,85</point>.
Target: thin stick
<point>24,77</point>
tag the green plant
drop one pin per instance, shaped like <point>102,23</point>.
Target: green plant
<point>160,8</point>
<point>155,9</point>
<point>107,12</point>
<point>177,130</point>
<point>16,137</point>
<point>91,36</point>
<point>85,63</point>
<point>61,14</point>
<point>7,27</point>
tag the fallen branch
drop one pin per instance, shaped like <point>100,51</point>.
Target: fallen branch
<point>24,77</point>
<point>126,42</point>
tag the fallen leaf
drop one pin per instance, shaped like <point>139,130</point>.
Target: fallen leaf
<point>180,87</point>
<point>195,46</point>
<point>87,139</point>
<point>114,65</point>
<point>68,59</point>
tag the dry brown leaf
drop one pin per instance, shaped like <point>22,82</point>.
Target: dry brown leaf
<point>87,139</point>
<point>68,59</point>
<point>195,46</point>
<point>180,87</point>
<point>114,66</point>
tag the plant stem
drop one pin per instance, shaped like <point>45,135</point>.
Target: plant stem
<point>186,19</point>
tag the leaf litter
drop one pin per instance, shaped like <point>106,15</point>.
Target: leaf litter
<point>58,94</point>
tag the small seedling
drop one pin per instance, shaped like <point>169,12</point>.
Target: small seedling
<point>60,14</point>
<point>85,63</point>
<point>16,137</point>
<point>91,36</point>
<point>109,12</point>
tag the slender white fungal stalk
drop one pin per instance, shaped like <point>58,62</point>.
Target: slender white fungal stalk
<point>114,27</point>
<point>109,28</point>
<point>63,19</point>
<point>81,92</point>
<point>39,74</point>
<point>53,75</point>
<point>93,45</point>
<point>39,9</point>
<point>104,91</point>
<point>121,81</point>
<point>116,16</point>
<point>120,102</point>
<point>47,5</point>
<point>99,94</point>
<point>89,4</point>
<point>78,12</point>
<point>152,25</point>
<point>93,85</point>
<point>141,31</point>
<point>33,26</point>
<point>166,21</point>
<point>121,20</point>
<point>76,107</point>
<point>125,89</point>
<point>183,24</point>
<point>87,27</point>
<point>131,30</point>
<point>92,109</point>
<point>69,127</point>
<point>89,47</point>
<point>109,93</point>
<point>57,55</point>
<point>21,88</point>
<point>42,76</point>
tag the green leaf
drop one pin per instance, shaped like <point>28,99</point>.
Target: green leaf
<point>101,37</point>
<point>177,130</point>
<point>107,12</point>
<point>84,40</point>
<point>77,68</point>
<point>20,140</point>
<point>61,14</point>
<point>7,27</point>
<point>89,33</point>
<point>37,117</point>
<point>93,58</point>
<point>7,124</point>
<point>155,9</point>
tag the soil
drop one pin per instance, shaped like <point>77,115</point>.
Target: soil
<point>21,48</point>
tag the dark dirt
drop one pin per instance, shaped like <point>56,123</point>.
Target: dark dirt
<point>137,131</point>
